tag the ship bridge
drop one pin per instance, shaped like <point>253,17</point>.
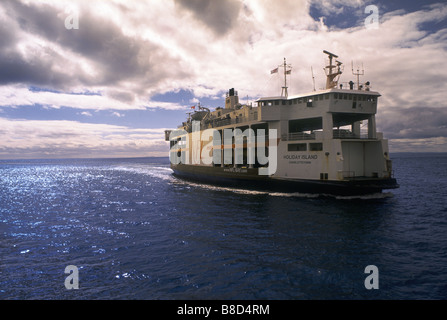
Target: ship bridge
<point>337,112</point>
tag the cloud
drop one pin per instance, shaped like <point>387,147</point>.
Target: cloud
<point>219,16</point>
<point>29,59</point>
<point>117,114</point>
<point>97,55</point>
<point>12,96</point>
<point>331,7</point>
<point>415,123</point>
<point>65,139</point>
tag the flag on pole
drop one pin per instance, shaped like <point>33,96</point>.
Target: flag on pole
<point>289,72</point>
<point>274,71</point>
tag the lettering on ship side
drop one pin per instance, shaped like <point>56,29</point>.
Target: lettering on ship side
<point>235,170</point>
<point>300,159</point>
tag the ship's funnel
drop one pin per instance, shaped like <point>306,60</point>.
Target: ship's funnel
<point>232,99</point>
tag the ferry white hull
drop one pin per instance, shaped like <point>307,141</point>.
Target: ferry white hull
<point>321,142</point>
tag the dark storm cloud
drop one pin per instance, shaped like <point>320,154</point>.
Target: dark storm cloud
<point>13,65</point>
<point>16,70</point>
<point>122,96</point>
<point>38,70</point>
<point>219,16</point>
<point>115,56</point>
<point>7,36</point>
<point>414,123</point>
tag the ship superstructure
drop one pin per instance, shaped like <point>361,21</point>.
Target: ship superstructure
<point>324,141</point>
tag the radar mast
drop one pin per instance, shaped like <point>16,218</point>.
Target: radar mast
<point>332,71</point>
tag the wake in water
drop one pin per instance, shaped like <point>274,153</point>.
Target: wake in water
<point>375,196</point>
<point>163,173</point>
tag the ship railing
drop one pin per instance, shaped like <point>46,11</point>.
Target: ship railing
<point>231,121</point>
<point>298,136</point>
<point>354,86</point>
<point>350,175</point>
<point>346,134</point>
<point>223,122</point>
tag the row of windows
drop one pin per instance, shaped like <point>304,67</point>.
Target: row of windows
<point>336,95</point>
<point>354,97</point>
<point>303,147</point>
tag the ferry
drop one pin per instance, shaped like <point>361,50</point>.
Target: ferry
<point>321,142</point>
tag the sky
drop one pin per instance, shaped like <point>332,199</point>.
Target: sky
<point>105,78</point>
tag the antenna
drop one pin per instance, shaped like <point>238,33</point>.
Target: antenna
<point>287,70</point>
<point>358,74</point>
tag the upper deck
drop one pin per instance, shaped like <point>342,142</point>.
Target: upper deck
<point>303,112</point>
<point>335,107</point>
<point>353,104</point>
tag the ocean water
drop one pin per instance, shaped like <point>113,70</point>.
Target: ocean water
<point>134,231</point>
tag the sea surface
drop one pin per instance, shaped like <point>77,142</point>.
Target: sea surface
<point>133,231</point>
